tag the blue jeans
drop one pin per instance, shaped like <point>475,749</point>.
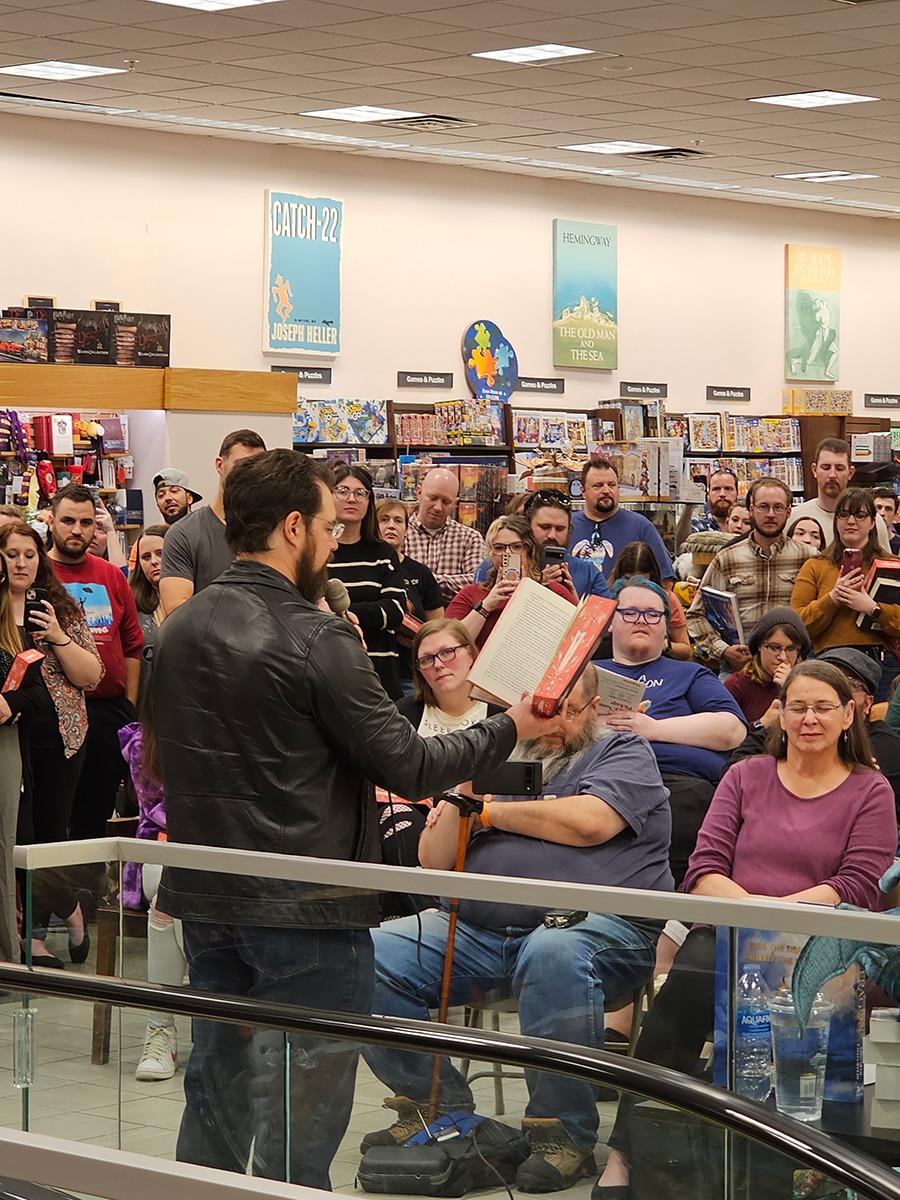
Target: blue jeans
<point>237,1085</point>
<point>561,979</point>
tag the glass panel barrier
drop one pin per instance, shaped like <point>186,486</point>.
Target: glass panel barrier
<point>578,976</point>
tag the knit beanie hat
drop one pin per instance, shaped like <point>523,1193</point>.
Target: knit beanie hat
<point>773,618</point>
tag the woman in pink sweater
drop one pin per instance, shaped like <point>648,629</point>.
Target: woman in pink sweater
<point>811,820</point>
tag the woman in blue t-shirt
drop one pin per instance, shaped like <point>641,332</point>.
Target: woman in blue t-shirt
<point>687,715</point>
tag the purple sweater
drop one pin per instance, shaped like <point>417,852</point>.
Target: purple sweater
<point>773,843</point>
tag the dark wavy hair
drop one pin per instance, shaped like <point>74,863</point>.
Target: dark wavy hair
<point>368,530</point>
<point>146,597</point>
<point>636,558</point>
<point>854,750</point>
<point>262,490</point>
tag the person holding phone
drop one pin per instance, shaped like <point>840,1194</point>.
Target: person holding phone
<point>36,610</point>
<point>514,555</point>
<point>830,591</point>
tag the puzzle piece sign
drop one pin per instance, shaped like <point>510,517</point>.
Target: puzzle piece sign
<point>492,367</point>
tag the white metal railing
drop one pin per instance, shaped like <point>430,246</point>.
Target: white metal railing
<point>784,917</point>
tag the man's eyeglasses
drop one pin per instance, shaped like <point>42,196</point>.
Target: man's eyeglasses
<point>446,655</point>
<point>777,510</point>
<point>573,713</point>
<point>774,648</point>
<point>821,709</point>
<point>345,493</point>
<point>650,616</point>
<point>548,496</point>
<point>861,514</point>
<point>335,528</point>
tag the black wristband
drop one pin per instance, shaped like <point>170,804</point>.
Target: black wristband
<point>67,643</point>
<point>480,609</point>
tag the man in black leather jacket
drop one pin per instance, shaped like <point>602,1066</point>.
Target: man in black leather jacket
<point>270,723</point>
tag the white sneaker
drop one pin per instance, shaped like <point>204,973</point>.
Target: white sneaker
<point>160,1054</point>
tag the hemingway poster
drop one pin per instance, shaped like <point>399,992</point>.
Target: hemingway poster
<point>585,296</point>
<point>302,303</point>
<point>812,312</point>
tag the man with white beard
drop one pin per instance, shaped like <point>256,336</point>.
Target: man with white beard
<point>603,819</point>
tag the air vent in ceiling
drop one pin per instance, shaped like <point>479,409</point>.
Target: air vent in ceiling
<point>429,124</point>
<point>674,154</point>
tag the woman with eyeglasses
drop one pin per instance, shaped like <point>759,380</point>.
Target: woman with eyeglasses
<point>442,654</point>
<point>777,642</point>
<point>478,606</point>
<point>830,594</point>
<point>689,719</point>
<point>370,571</point>
<point>809,821</point>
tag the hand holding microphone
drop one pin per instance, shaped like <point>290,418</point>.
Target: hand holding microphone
<point>338,600</point>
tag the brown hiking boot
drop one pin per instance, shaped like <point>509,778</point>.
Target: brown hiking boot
<point>555,1162</point>
<point>412,1117</point>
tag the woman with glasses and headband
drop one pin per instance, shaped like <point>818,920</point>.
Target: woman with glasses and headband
<point>810,820</point>
<point>830,593</point>
<point>479,605</point>
<point>777,642</point>
<point>370,571</point>
<point>689,719</point>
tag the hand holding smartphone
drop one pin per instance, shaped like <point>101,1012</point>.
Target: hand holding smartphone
<point>512,567</point>
<point>34,603</point>
<point>851,560</point>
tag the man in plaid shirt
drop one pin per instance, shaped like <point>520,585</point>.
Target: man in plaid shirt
<point>451,551</point>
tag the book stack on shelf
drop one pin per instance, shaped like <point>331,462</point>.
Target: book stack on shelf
<point>751,447</point>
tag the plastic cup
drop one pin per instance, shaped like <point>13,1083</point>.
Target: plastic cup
<point>799,1056</point>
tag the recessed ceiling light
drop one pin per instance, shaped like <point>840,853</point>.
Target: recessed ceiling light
<point>813,99</point>
<point>60,71</point>
<point>615,147</point>
<point>361,112</point>
<point>527,54</point>
<point>212,5</point>
<point>826,176</point>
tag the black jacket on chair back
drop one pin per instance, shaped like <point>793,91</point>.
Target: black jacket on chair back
<point>272,726</point>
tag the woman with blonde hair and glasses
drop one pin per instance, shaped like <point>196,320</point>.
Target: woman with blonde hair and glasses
<point>478,606</point>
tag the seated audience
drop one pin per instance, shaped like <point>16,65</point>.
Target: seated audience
<point>423,596</point>
<point>479,605</point>
<point>829,597</point>
<point>810,820</point>
<point>808,531</point>
<point>637,558</point>
<point>549,513</point>
<point>777,643</point>
<point>608,821</point>
<point>690,720</point>
<point>370,571</point>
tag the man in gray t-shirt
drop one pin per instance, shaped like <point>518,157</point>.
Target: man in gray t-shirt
<point>195,551</point>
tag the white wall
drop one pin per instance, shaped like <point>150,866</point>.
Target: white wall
<point>174,223</point>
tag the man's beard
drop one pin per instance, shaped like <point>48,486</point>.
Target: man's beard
<point>719,508</point>
<point>310,582</point>
<point>555,758</point>
<point>606,505</point>
<point>171,518</point>
<point>769,533</point>
<point>66,554</point>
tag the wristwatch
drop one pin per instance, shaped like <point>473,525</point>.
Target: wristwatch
<point>480,609</point>
<point>876,612</point>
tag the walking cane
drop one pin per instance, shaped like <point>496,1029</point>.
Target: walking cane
<point>467,808</point>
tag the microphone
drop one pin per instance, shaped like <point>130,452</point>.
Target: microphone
<point>337,598</point>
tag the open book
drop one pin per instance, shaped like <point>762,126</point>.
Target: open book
<point>618,693</point>
<point>540,645</point>
<point>721,610</point>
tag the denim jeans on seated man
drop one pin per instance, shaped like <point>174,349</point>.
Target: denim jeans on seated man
<point>236,1085</point>
<point>561,978</point>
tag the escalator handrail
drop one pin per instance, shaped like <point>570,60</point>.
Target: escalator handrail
<point>813,1148</point>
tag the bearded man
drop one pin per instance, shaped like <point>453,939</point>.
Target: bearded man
<point>270,722</point>
<point>603,819</point>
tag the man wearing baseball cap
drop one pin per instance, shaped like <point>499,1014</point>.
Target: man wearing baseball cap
<point>174,495</point>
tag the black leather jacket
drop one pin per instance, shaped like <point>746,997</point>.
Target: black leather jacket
<point>271,722</point>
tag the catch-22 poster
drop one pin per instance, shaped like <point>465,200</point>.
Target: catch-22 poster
<point>585,296</point>
<point>303,274</point>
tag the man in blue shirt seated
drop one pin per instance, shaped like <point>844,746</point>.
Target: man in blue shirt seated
<point>603,819</point>
<point>550,515</point>
<point>600,532</point>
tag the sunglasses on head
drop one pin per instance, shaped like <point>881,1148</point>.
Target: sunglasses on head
<point>549,496</point>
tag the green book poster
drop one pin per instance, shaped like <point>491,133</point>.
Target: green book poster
<point>585,296</point>
<point>812,312</point>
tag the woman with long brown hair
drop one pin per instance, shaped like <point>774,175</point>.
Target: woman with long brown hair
<point>53,735</point>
